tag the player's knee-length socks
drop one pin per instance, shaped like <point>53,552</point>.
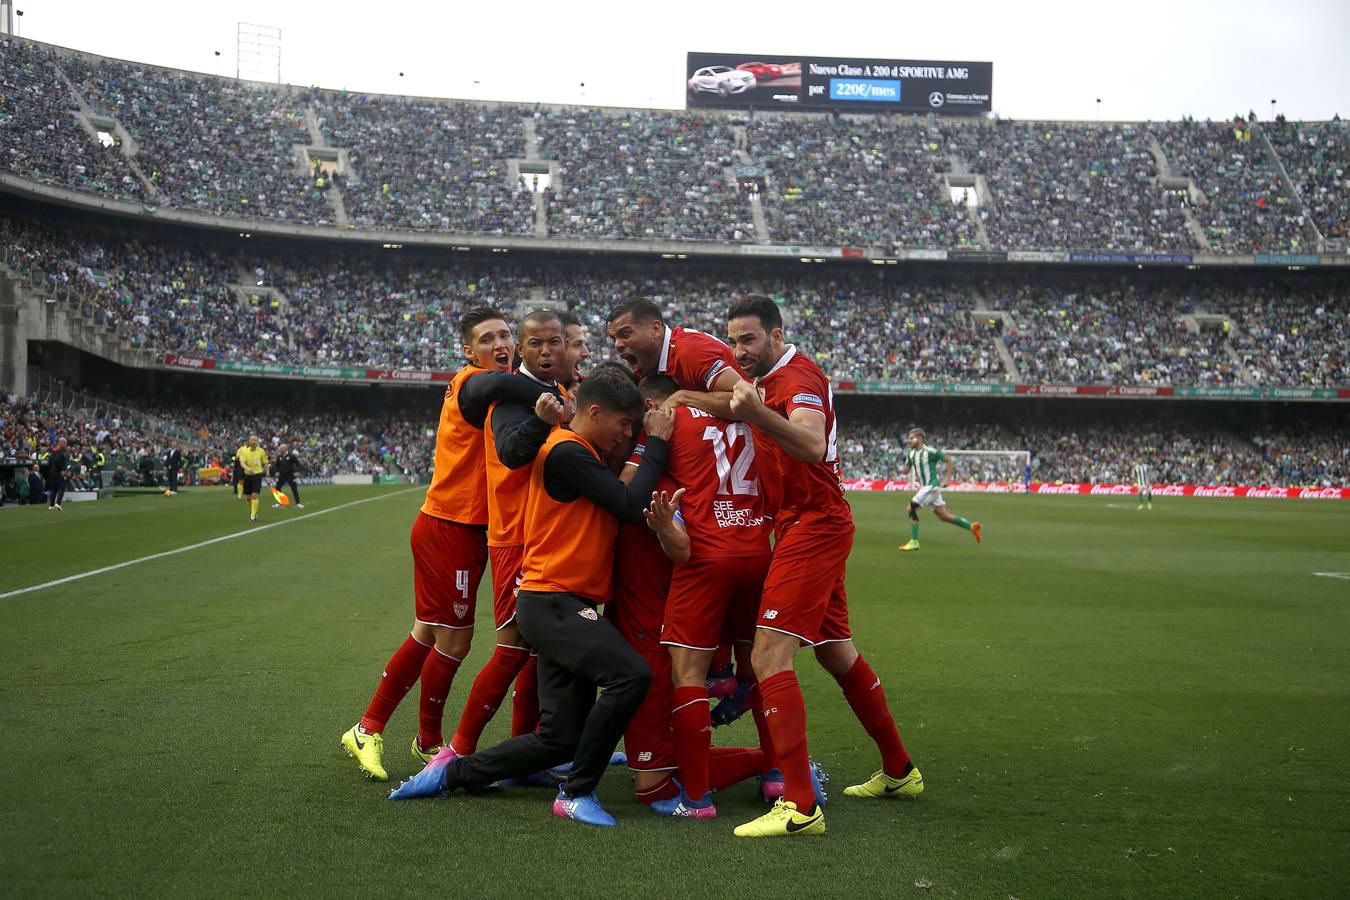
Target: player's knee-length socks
<point>438,674</point>
<point>487,693</point>
<point>785,716</point>
<point>525,699</point>
<point>755,701</point>
<point>867,698</point>
<point>691,721</point>
<point>400,674</point>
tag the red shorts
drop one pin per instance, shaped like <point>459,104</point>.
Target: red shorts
<point>448,563</point>
<point>804,593</point>
<point>648,740</point>
<point>506,563</point>
<point>708,594</point>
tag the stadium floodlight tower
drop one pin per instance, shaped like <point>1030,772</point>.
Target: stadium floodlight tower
<point>6,16</point>
<point>257,53</point>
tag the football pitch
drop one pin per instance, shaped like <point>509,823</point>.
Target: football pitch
<point>1103,702</point>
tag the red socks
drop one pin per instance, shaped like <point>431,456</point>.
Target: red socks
<point>487,693</point>
<point>732,765</point>
<point>785,718</point>
<point>400,674</point>
<point>438,673</point>
<point>525,699</point>
<point>765,739</point>
<point>863,691</point>
<point>691,721</point>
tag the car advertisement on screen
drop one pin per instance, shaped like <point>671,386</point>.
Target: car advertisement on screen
<point>838,83</point>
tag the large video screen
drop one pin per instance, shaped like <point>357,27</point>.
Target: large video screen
<point>852,85</point>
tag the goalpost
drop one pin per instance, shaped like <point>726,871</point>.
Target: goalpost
<point>1010,466</point>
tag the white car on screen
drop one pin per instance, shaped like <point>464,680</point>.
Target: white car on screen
<point>721,80</point>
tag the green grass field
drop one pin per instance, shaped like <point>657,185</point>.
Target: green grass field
<point>1103,702</point>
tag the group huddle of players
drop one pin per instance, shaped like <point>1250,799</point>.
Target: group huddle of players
<point>652,489</point>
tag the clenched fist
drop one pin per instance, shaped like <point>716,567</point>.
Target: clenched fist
<point>549,408</point>
<point>745,402</point>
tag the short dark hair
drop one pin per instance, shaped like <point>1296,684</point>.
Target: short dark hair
<point>658,387</point>
<point>610,391</point>
<point>568,319</point>
<point>475,317</point>
<point>760,306</point>
<point>613,365</point>
<point>643,309</point>
<point>542,317</point>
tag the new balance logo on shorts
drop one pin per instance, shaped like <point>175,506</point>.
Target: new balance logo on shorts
<point>645,756</point>
<point>770,614</point>
<point>588,613</point>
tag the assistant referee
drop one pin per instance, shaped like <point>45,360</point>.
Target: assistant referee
<point>253,460</point>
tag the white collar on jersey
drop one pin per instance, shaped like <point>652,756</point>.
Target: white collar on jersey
<point>533,377</point>
<point>783,360</point>
<point>665,351</point>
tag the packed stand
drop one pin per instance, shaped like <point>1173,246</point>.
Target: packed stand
<point>852,181</point>
<point>1108,333</point>
<point>1317,157</point>
<point>1247,207</point>
<point>1060,186</point>
<point>1292,338</point>
<point>643,176</point>
<point>43,141</point>
<point>357,312</point>
<point>214,145</point>
<point>863,327</point>
<point>428,165</point>
<point>1320,458</point>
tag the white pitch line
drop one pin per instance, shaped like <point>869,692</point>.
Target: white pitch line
<point>1345,576</point>
<point>216,540</point>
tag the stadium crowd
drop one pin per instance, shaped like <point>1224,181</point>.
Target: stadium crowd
<point>427,165</point>
<point>43,141</point>
<point>1319,152</point>
<point>1062,186</point>
<point>223,146</point>
<point>851,181</point>
<point>326,308</point>
<point>643,175</point>
<point>1247,207</point>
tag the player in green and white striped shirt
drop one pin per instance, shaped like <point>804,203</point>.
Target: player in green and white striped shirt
<point>1143,484</point>
<point>923,461</point>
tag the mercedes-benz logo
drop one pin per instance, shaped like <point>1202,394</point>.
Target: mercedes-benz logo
<point>936,99</point>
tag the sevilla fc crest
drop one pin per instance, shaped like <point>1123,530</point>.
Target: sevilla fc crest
<point>461,610</point>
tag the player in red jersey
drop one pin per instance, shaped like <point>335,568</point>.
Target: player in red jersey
<point>701,365</point>
<point>791,413</point>
<point>719,578</point>
<point>449,546</point>
<point>642,573</point>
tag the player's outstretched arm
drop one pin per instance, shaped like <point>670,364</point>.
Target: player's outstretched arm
<point>717,400</point>
<point>802,435</point>
<point>572,472</point>
<point>663,517</point>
